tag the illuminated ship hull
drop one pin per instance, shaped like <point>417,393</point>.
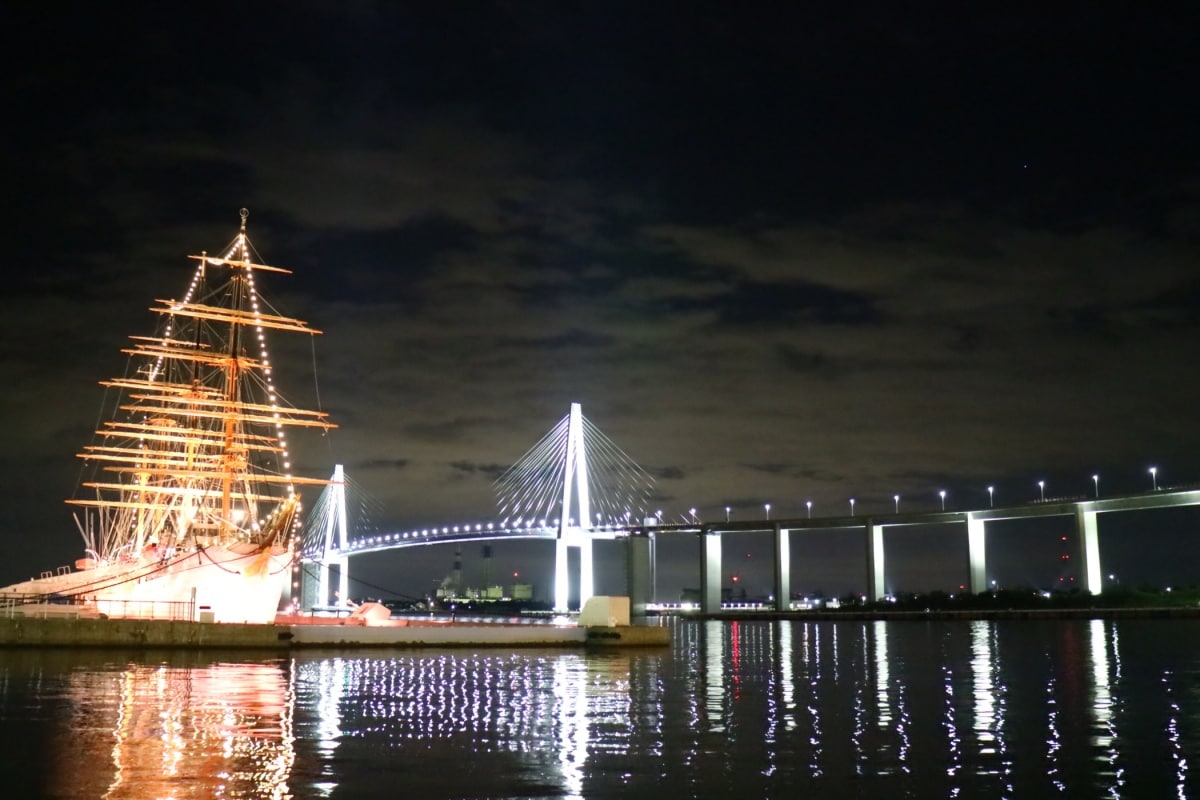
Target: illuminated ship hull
<point>217,584</point>
<point>189,509</point>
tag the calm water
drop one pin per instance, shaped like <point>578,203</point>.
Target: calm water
<point>753,709</point>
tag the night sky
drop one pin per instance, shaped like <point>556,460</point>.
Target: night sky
<point>777,253</point>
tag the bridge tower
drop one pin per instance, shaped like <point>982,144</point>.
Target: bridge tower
<point>569,534</point>
<point>332,547</point>
<point>579,484</point>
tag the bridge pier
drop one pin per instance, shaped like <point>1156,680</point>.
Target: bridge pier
<point>976,554</point>
<point>1089,540</point>
<point>639,572</point>
<point>322,598</point>
<point>586,577</point>
<point>562,575</point>
<point>562,570</point>
<point>309,586</point>
<point>343,590</point>
<point>314,588</point>
<point>710,572</point>
<point>876,588</point>
<point>783,569</point>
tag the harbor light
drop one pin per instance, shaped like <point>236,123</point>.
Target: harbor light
<point>1154,478</point>
<point>852,506</point>
<point>942,494</point>
<point>896,497</point>
<point>991,497</point>
<point>767,507</point>
<point>808,503</point>
<point>727,513</point>
<point>1042,490</point>
<point>1096,480</point>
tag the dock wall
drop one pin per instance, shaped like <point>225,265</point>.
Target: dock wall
<point>484,635</point>
<point>36,632</point>
<point>124,633</point>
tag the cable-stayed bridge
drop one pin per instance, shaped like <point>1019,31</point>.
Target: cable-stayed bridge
<point>575,486</point>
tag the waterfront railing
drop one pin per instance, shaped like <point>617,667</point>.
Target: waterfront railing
<point>51,607</point>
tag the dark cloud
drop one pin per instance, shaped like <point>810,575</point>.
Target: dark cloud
<point>668,473</point>
<point>569,341</point>
<point>391,465</point>
<point>491,471</point>
<point>769,304</point>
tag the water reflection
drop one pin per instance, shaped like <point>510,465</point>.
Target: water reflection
<point>550,717</point>
<point>811,655</point>
<point>1104,736</point>
<point>174,730</point>
<point>989,695</point>
<point>883,707</point>
<point>331,686</point>
<point>757,709</point>
<point>714,675</point>
<point>1053,738</point>
<point>1175,739</point>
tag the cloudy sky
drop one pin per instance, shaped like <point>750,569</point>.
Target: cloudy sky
<point>777,253</point>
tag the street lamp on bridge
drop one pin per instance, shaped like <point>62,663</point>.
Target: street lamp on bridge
<point>693,513</point>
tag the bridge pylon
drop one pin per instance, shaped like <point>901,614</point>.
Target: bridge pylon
<point>570,535</point>
<point>579,484</point>
<point>333,545</point>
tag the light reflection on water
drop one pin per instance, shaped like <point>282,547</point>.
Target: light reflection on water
<point>752,709</point>
<point>175,728</point>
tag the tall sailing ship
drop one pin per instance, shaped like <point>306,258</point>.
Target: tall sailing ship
<point>191,509</point>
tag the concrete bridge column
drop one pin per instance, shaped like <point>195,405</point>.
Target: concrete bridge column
<point>710,572</point>
<point>586,580</point>
<point>1089,541</point>
<point>322,598</point>
<point>876,588</point>
<point>639,573</point>
<point>343,564</point>
<point>561,575</point>
<point>783,569</point>
<point>976,554</point>
<point>310,585</point>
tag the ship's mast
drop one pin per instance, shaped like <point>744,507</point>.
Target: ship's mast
<point>201,453</point>
<point>232,381</point>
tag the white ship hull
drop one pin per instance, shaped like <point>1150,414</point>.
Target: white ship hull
<point>215,584</point>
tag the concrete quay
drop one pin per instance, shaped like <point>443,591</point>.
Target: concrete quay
<point>82,632</point>
<point>477,635</point>
<point>27,632</point>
